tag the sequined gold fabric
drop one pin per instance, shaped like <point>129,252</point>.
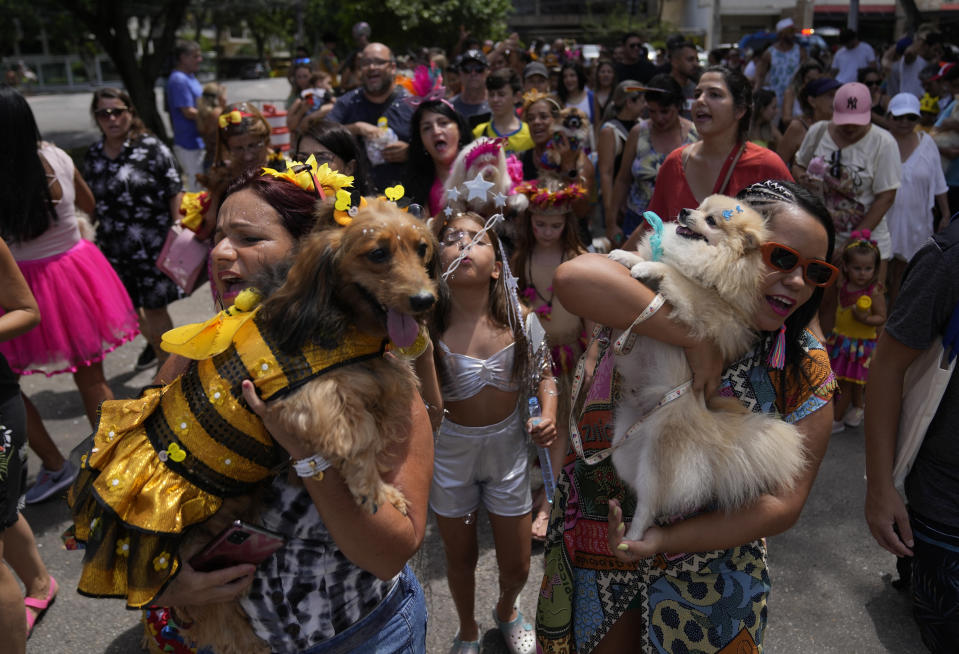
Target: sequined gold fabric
<point>165,461</point>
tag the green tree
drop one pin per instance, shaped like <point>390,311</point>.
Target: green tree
<point>610,27</point>
<point>138,37</point>
<point>409,23</point>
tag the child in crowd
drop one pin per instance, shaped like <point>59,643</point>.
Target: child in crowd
<point>503,93</point>
<point>763,130</point>
<point>316,98</point>
<point>861,310</point>
<point>208,109</point>
<point>481,455</point>
<point>546,237</point>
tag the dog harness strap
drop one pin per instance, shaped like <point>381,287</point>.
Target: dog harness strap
<point>624,344</point>
<point>671,396</point>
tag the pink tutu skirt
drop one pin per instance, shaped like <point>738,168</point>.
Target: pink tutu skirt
<point>85,312</point>
<point>850,357</point>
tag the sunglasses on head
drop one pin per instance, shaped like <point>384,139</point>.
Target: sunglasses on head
<point>784,259</point>
<point>109,113</point>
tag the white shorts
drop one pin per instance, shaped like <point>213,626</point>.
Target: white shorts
<point>488,464</point>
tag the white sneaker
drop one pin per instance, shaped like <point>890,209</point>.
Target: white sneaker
<point>49,483</point>
<point>853,417</point>
<point>838,426</point>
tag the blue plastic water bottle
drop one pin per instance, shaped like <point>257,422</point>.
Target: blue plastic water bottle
<point>545,465</point>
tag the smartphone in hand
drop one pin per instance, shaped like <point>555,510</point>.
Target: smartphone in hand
<point>238,543</point>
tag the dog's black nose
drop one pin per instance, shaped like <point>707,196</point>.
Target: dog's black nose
<point>422,301</point>
<point>683,214</point>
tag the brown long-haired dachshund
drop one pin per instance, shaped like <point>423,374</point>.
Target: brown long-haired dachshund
<point>372,276</point>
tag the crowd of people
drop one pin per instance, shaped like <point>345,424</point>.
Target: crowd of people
<point>850,157</point>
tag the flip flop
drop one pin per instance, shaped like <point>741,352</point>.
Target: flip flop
<point>40,606</point>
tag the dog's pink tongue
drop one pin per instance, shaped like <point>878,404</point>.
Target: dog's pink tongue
<point>401,327</point>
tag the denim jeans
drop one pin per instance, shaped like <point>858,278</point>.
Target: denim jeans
<point>396,626</point>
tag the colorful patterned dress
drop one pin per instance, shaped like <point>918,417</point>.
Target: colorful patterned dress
<point>703,601</point>
<point>851,342</point>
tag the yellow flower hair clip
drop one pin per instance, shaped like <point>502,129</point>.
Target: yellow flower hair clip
<point>320,180</point>
<point>234,117</point>
<point>192,208</point>
<point>332,181</point>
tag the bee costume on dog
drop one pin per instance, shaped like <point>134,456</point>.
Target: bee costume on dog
<point>166,461</point>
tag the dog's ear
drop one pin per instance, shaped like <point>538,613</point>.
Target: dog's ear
<point>754,234</point>
<point>304,309</point>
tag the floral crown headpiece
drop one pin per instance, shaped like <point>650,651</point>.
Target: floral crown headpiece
<point>535,96</point>
<point>544,200</point>
<point>862,237</point>
<point>234,117</point>
<point>192,208</point>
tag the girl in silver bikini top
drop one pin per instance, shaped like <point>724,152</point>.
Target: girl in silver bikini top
<point>466,376</point>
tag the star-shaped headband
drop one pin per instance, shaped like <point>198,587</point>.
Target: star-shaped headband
<point>475,189</point>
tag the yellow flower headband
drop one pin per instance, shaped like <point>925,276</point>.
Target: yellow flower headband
<point>234,117</point>
<point>321,180</point>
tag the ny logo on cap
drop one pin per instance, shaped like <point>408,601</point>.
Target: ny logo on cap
<point>851,103</point>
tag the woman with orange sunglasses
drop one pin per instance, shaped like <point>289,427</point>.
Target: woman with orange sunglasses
<point>630,595</point>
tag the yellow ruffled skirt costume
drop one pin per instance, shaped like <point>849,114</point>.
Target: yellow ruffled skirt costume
<point>165,461</point>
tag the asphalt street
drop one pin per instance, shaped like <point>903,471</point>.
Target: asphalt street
<point>831,583</point>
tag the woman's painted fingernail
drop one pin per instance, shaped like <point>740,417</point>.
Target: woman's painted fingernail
<point>623,547</point>
<point>621,528</point>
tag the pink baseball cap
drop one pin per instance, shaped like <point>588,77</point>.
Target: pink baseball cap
<point>853,105</point>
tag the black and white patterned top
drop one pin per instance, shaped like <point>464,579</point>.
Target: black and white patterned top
<point>308,591</point>
<point>133,195</point>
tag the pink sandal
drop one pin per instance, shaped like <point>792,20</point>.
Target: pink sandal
<point>40,606</point>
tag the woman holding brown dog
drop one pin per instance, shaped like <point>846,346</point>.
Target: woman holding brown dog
<point>699,581</point>
<point>342,572</point>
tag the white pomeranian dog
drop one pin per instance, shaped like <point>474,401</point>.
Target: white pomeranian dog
<point>684,455</point>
